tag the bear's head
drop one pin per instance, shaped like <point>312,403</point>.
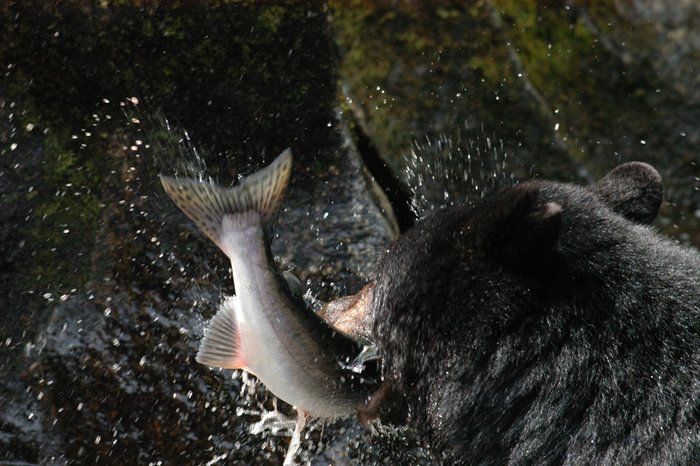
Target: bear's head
<point>466,304</point>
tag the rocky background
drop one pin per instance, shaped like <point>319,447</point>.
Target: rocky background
<point>105,287</point>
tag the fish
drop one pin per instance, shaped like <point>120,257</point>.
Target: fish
<point>265,329</point>
<point>351,315</point>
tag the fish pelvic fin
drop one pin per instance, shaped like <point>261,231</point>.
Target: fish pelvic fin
<point>207,204</point>
<point>222,345</point>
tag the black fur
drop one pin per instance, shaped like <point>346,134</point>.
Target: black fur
<point>633,190</point>
<point>545,326</point>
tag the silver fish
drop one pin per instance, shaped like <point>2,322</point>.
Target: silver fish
<point>264,329</point>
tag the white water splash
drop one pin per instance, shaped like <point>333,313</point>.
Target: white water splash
<point>452,170</point>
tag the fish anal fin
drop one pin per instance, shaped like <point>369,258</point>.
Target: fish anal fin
<point>222,345</point>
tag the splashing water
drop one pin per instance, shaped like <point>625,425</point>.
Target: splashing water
<point>452,170</point>
<point>171,147</point>
<point>202,279</point>
<point>209,276</point>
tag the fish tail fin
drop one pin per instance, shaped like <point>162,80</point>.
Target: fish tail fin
<point>222,345</point>
<point>207,204</point>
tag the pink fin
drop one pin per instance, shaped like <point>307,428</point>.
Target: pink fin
<point>222,345</point>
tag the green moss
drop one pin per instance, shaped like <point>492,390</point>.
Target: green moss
<point>486,66</point>
<point>418,71</point>
<point>606,15</point>
<point>66,215</point>
<point>555,53</point>
<point>271,17</point>
<point>580,79</point>
<point>447,13</point>
<point>205,67</point>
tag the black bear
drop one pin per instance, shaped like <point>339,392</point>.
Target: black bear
<point>547,325</point>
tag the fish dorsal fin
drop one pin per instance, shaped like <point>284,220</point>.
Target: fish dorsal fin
<point>222,345</point>
<point>207,204</point>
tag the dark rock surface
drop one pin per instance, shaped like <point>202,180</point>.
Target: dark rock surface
<point>109,286</point>
<point>570,88</point>
<point>105,287</point>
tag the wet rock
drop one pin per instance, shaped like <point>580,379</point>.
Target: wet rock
<point>571,88</point>
<point>24,436</point>
<point>416,73</point>
<point>122,302</point>
<point>106,285</point>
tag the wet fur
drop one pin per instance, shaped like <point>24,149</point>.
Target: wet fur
<point>545,326</point>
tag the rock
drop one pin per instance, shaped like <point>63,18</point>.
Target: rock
<point>107,287</point>
<point>571,89</point>
<point>121,282</point>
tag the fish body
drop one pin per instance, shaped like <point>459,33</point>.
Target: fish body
<point>264,329</point>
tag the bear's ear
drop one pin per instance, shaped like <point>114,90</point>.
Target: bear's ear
<point>521,226</point>
<point>633,190</point>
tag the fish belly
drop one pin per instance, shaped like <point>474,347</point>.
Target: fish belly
<point>262,315</point>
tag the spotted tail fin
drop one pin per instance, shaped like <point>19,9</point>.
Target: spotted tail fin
<point>207,204</point>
